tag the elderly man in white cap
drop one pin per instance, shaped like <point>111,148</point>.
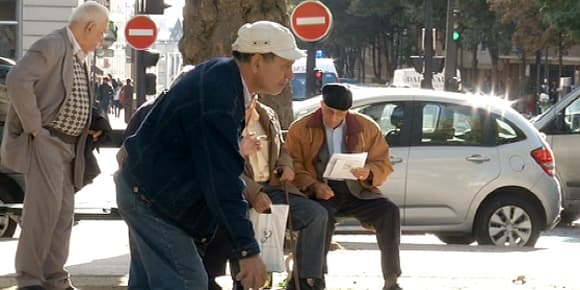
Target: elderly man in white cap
<point>181,175</point>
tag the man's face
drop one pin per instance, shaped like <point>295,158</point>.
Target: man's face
<point>272,75</point>
<point>332,117</point>
<point>93,34</point>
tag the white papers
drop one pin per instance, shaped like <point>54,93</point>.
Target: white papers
<point>340,164</point>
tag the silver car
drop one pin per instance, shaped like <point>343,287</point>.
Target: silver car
<point>561,124</point>
<point>467,168</point>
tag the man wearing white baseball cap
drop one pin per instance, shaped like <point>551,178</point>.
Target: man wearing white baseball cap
<point>179,177</point>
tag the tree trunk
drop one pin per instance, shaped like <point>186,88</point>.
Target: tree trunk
<point>210,27</point>
<point>494,55</point>
<point>474,72</point>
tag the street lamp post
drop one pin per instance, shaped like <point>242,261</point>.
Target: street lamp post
<point>451,38</point>
<point>427,82</point>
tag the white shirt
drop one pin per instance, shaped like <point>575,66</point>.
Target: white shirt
<point>77,50</point>
<point>247,95</point>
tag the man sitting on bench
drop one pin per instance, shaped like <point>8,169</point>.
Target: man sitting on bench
<point>334,129</point>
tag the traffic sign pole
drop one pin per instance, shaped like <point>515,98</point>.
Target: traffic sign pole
<point>310,63</point>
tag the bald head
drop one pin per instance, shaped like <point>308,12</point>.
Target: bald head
<point>89,11</point>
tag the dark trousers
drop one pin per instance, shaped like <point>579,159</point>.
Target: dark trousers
<point>380,213</point>
<point>215,256</point>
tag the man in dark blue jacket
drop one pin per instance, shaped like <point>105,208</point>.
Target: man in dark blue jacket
<point>181,176</point>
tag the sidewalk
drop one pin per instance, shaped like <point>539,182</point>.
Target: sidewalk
<point>99,259</point>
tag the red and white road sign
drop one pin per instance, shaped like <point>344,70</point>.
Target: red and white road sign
<point>311,21</point>
<point>141,32</point>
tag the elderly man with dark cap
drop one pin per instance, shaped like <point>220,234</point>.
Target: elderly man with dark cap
<point>334,129</point>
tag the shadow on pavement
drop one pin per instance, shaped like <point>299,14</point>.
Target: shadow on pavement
<point>430,247</point>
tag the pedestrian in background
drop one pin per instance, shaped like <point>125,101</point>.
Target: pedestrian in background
<point>46,131</point>
<point>105,95</point>
<point>126,100</point>
<point>334,129</point>
<point>181,177</point>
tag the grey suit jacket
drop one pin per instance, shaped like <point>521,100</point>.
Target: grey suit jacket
<point>37,87</point>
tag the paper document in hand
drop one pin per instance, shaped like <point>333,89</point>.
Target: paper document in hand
<point>340,165</point>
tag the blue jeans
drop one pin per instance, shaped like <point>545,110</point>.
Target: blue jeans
<point>162,255</point>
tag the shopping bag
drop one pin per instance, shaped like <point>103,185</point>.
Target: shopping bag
<point>269,229</point>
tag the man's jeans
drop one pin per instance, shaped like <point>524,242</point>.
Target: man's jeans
<point>311,220</point>
<point>162,255</point>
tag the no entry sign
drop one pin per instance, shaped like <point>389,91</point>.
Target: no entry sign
<point>311,21</point>
<point>141,32</point>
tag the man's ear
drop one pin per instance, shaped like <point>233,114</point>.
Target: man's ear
<point>256,61</point>
<point>90,26</point>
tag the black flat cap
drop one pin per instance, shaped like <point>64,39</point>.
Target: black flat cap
<point>337,96</point>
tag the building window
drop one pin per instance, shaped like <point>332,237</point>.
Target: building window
<point>8,27</point>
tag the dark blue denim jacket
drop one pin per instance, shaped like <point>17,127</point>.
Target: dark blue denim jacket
<point>184,158</point>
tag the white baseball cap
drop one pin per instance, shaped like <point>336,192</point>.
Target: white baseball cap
<point>266,37</point>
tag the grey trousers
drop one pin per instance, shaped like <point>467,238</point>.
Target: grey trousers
<point>47,216</point>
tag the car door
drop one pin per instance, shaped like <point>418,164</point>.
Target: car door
<point>564,137</point>
<point>394,119</point>
<point>452,157</point>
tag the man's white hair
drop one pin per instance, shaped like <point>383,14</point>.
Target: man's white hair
<point>89,11</point>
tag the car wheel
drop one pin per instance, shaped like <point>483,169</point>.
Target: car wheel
<point>10,192</point>
<point>508,221</point>
<point>456,239</point>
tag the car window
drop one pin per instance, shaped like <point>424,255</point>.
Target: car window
<point>389,116</point>
<point>507,132</point>
<point>450,124</point>
<point>299,87</point>
<point>3,72</point>
<point>299,84</point>
<point>572,117</point>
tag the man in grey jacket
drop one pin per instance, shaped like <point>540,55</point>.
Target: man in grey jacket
<point>45,135</point>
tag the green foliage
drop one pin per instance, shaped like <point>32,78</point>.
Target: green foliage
<point>564,14</point>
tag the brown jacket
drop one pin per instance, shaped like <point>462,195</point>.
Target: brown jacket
<point>306,137</point>
<point>279,157</point>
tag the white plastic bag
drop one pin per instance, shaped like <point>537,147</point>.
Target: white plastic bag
<point>269,229</point>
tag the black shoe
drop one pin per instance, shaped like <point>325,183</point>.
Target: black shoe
<point>34,287</point>
<point>306,284</point>
<point>71,288</point>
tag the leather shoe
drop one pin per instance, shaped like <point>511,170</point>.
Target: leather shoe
<point>33,287</point>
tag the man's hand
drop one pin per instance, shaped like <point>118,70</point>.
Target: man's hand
<point>361,173</point>
<point>250,144</point>
<point>252,273</point>
<point>287,174</point>
<point>322,191</point>
<point>262,202</point>
<point>95,134</point>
